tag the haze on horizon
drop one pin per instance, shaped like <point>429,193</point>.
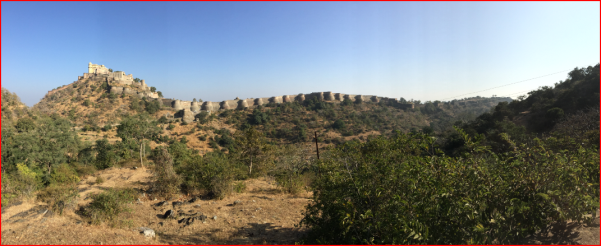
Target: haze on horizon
<point>217,51</point>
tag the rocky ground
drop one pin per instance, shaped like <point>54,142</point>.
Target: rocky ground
<point>260,215</point>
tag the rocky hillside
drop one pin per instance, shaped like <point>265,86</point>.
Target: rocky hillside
<point>12,107</point>
<point>91,101</point>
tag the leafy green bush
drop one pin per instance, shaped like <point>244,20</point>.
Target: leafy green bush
<point>64,175</point>
<point>215,173</point>
<point>240,187</point>
<point>25,125</point>
<point>338,124</point>
<point>21,184</point>
<point>163,120</point>
<point>203,117</point>
<point>109,205</point>
<point>403,191</point>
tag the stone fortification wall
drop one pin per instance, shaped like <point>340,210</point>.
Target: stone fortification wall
<point>116,90</point>
<point>195,106</point>
<point>129,91</point>
<point>179,104</point>
<point>254,102</point>
<point>328,96</point>
<point>167,102</point>
<point>278,99</point>
<point>120,77</point>
<point>210,106</point>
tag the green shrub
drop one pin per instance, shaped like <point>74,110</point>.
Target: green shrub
<point>25,125</point>
<point>21,184</point>
<point>171,127</point>
<point>163,120</point>
<point>109,205</point>
<point>215,173</point>
<point>403,191</point>
<point>63,174</point>
<point>338,124</point>
<point>203,117</point>
<point>240,187</point>
<point>99,180</point>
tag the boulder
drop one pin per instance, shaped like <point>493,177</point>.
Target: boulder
<point>169,214</point>
<point>148,233</point>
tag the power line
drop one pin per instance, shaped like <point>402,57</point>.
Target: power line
<point>518,92</point>
<point>507,84</point>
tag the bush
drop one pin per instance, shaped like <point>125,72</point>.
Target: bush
<point>291,161</point>
<point>167,182</point>
<point>401,191</point>
<point>107,127</point>
<point>59,197</point>
<point>338,125</point>
<point>25,125</point>
<point>215,173</point>
<point>163,120</point>
<point>171,127</point>
<point>202,117</point>
<point>109,205</point>
<point>99,180</point>
<point>240,187</point>
<point>64,175</point>
<point>23,183</point>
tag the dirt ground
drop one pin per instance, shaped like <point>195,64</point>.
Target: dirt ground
<point>260,215</point>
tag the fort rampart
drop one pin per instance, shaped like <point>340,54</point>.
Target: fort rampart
<point>254,102</point>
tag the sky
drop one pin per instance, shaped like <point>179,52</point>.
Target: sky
<point>218,51</point>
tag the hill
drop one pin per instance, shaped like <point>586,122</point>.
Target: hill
<point>12,107</point>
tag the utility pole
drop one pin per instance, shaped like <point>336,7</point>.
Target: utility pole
<point>316,146</point>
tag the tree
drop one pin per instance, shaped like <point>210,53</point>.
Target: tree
<point>338,124</point>
<point>251,144</point>
<point>25,125</point>
<point>138,127</point>
<point>152,106</point>
<point>52,142</point>
<point>137,80</point>
<point>160,94</point>
<point>110,70</point>
<point>153,89</point>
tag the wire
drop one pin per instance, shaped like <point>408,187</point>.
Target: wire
<point>507,84</point>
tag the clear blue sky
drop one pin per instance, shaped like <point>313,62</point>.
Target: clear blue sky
<point>221,50</point>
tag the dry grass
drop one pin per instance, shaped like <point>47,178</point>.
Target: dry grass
<point>243,223</point>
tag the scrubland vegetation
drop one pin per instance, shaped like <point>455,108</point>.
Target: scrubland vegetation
<point>442,173</point>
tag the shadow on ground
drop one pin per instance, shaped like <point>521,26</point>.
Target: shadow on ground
<point>564,234</point>
<point>252,233</point>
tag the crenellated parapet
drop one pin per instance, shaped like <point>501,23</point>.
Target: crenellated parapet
<point>255,102</point>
